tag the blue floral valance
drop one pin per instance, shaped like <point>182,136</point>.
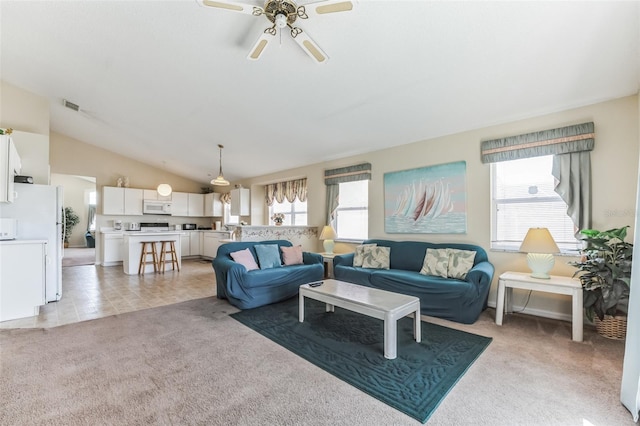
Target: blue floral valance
<point>576,138</point>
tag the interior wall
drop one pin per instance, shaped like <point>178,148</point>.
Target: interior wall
<point>614,167</point>
<point>23,110</point>
<point>76,196</point>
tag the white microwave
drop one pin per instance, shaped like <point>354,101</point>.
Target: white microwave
<point>156,207</point>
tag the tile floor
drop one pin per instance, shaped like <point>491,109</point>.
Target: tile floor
<point>92,291</point>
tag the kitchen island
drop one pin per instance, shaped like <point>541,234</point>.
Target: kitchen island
<point>133,248</point>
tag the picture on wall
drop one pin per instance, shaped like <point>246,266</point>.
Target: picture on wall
<point>426,200</point>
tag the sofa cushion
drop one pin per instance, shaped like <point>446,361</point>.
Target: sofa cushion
<point>436,262</point>
<point>245,258</point>
<point>376,258</point>
<point>268,256</point>
<point>359,254</point>
<point>460,263</point>
<point>292,255</point>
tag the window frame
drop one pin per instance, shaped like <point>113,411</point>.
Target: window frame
<point>335,221</point>
<point>292,213</point>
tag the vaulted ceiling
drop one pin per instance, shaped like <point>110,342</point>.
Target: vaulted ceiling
<point>164,82</point>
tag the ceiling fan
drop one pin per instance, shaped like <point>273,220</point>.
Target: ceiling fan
<point>283,14</point>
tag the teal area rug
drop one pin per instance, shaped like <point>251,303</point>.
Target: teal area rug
<point>350,346</point>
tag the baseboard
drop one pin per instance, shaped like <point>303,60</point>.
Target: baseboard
<point>537,312</point>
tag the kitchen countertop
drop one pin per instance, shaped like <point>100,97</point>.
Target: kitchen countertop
<point>9,242</point>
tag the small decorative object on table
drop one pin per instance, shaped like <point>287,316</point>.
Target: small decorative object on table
<point>278,218</point>
<point>605,273</point>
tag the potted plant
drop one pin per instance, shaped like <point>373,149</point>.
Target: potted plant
<point>71,219</point>
<point>605,274</point>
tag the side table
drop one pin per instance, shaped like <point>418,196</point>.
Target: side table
<point>328,264</point>
<point>555,284</point>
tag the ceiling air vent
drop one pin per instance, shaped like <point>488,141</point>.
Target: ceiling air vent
<point>70,105</point>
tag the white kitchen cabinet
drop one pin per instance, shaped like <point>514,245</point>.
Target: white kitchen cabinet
<point>196,205</point>
<point>10,166</point>
<point>22,278</point>
<point>240,202</point>
<point>180,204</point>
<point>195,243</point>
<point>122,201</point>
<point>212,205</point>
<point>211,241</point>
<point>152,194</point>
<point>112,248</point>
<point>185,243</point>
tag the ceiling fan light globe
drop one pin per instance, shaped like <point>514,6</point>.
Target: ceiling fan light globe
<point>281,20</point>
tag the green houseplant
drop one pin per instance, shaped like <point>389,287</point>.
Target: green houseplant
<point>605,273</point>
<point>71,219</point>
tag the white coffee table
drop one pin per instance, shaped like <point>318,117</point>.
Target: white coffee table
<point>372,302</point>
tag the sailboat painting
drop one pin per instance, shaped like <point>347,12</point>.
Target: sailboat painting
<point>431,200</point>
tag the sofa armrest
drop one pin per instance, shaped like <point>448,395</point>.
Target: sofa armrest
<point>343,260</point>
<point>309,258</point>
<point>481,274</point>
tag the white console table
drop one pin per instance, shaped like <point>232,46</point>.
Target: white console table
<point>555,284</point>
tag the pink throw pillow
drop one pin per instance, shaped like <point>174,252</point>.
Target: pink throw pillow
<point>245,258</point>
<point>292,255</point>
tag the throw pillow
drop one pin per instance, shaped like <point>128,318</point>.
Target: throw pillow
<point>245,258</point>
<point>436,262</point>
<point>292,255</point>
<point>376,258</point>
<point>268,255</point>
<point>359,254</point>
<point>460,263</point>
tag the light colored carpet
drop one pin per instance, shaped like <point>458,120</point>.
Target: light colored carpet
<point>190,363</point>
<point>77,256</point>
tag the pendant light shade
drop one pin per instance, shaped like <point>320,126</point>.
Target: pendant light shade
<point>220,180</point>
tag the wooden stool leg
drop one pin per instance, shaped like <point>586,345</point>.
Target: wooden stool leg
<point>142,258</point>
<point>162,263</point>
<point>174,257</point>
<point>155,257</point>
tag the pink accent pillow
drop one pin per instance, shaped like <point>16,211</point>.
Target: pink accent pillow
<point>292,255</point>
<point>245,258</point>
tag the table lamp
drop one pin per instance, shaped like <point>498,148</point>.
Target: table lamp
<point>328,234</point>
<point>539,246</point>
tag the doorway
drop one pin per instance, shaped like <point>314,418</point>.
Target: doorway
<point>80,198</point>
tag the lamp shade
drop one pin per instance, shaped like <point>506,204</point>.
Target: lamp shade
<point>164,189</point>
<point>539,240</point>
<point>328,233</point>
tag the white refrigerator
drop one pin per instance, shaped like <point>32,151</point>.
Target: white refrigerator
<point>39,212</point>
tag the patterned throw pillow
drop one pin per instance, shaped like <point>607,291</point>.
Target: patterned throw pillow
<point>359,254</point>
<point>436,262</point>
<point>245,258</point>
<point>460,263</point>
<point>268,255</point>
<point>292,255</point>
<point>376,258</point>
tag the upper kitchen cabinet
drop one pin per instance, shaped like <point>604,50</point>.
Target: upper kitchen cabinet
<point>9,167</point>
<point>179,204</point>
<point>152,194</point>
<point>212,205</point>
<point>196,205</point>
<point>240,202</point>
<point>122,201</point>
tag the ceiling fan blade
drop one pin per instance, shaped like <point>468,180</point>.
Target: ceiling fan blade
<point>260,45</point>
<point>329,6</point>
<point>308,45</point>
<point>232,6</point>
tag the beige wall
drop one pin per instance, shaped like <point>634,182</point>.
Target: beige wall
<point>23,110</point>
<point>614,171</point>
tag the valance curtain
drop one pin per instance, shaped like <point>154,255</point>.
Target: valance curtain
<point>334,177</point>
<point>289,190</point>
<point>225,198</point>
<point>570,148</point>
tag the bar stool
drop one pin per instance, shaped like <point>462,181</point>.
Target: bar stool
<point>162,262</point>
<point>148,248</point>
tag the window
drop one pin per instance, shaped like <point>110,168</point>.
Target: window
<point>352,214</point>
<point>523,197</point>
<point>230,219</point>
<point>294,213</point>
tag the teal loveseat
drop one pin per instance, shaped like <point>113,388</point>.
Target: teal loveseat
<point>452,299</point>
<point>250,289</point>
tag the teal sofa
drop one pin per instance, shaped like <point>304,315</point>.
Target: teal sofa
<point>452,299</point>
<point>250,289</point>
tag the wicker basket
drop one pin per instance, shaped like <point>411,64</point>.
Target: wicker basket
<point>612,327</point>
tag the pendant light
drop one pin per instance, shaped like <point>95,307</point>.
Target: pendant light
<point>164,189</point>
<point>220,180</point>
